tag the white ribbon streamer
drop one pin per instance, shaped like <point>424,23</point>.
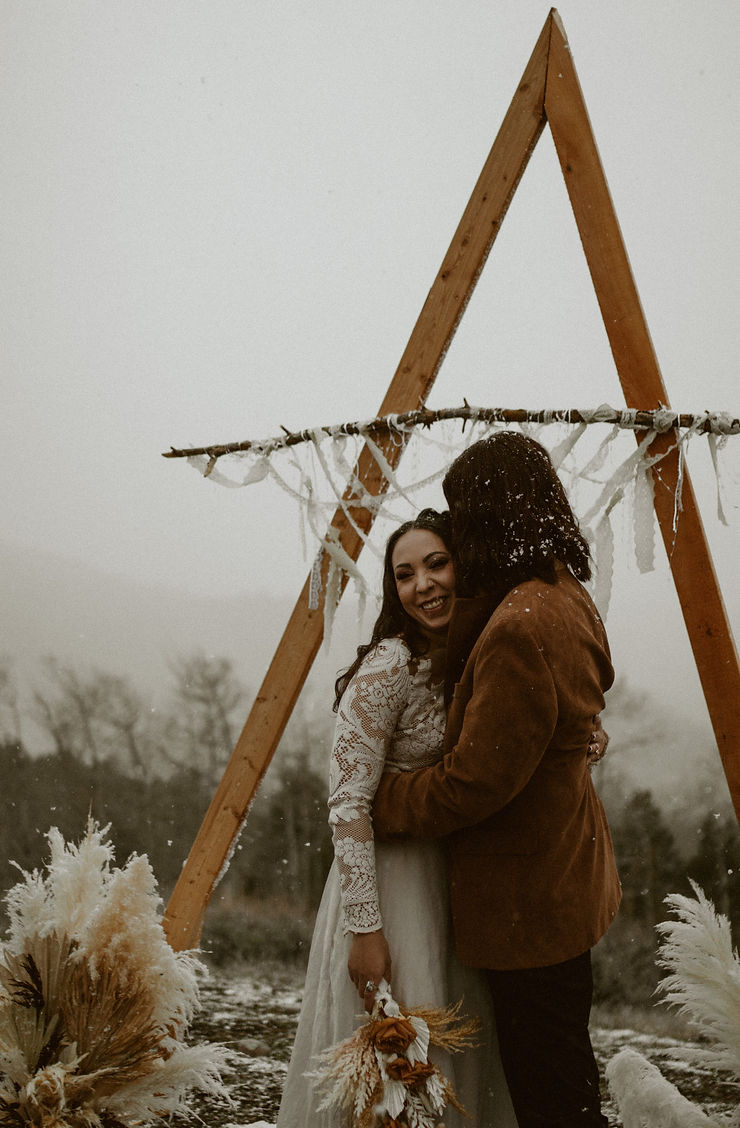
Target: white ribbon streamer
<point>314,585</point>
<point>644,520</point>
<point>604,554</point>
<point>714,443</point>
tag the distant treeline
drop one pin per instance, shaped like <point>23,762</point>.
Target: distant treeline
<point>652,864</point>
<point>282,858</point>
<point>151,775</point>
<point>151,771</point>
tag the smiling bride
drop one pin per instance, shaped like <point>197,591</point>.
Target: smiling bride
<point>385,909</point>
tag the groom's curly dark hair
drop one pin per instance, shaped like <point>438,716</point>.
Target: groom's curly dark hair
<point>511,519</point>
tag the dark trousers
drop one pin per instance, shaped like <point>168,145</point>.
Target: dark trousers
<point>542,1018</point>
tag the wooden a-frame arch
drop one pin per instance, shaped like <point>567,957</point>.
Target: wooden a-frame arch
<point>548,93</point>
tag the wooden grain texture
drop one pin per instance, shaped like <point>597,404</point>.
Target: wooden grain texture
<point>431,336</point>
<point>688,552</point>
<point>598,227</point>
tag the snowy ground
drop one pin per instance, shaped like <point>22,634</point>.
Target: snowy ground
<point>256,1019</point>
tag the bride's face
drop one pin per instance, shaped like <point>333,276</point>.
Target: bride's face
<point>425,579</point>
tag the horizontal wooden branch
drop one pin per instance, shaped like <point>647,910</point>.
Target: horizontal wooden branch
<point>661,420</point>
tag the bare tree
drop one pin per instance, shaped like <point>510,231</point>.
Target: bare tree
<point>208,702</point>
<point>98,717</point>
<point>65,712</point>
<point>128,720</point>
<point>10,714</point>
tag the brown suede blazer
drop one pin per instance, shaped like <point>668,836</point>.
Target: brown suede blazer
<point>532,871</point>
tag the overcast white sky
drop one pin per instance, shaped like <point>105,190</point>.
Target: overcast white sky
<point>219,218</point>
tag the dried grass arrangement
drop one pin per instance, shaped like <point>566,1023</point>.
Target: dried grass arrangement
<point>94,1004</point>
<point>380,1077</point>
<point>703,982</point>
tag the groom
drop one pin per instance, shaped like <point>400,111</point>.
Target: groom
<point>533,879</point>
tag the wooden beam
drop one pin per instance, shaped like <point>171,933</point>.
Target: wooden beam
<point>434,329</point>
<point>688,552</point>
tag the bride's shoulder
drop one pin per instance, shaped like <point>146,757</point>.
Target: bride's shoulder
<point>389,653</point>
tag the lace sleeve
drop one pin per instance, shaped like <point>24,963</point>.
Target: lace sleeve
<point>367,718</point>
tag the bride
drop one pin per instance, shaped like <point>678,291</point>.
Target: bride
<point>385,908</point>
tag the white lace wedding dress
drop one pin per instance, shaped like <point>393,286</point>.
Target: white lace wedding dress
<point>391,717</point>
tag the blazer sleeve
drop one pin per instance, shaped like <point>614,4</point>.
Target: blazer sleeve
<point>508,723</point>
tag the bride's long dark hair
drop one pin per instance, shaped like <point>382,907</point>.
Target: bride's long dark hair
<point>393,622</point>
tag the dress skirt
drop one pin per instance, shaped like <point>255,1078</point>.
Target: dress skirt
<point>414,902</point>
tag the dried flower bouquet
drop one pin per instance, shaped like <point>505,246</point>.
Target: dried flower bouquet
<point>94,1004</point>
<point>381,1076</point>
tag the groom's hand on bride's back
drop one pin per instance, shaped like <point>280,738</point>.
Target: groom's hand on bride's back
<point>369,961</point>
<point>598,743</point>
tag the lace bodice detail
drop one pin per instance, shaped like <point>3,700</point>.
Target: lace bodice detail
<point>391,717</point>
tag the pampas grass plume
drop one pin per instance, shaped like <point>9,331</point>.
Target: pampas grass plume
<point>704,975</point>
<point>646,1099</point>
<point>94,1003</point>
